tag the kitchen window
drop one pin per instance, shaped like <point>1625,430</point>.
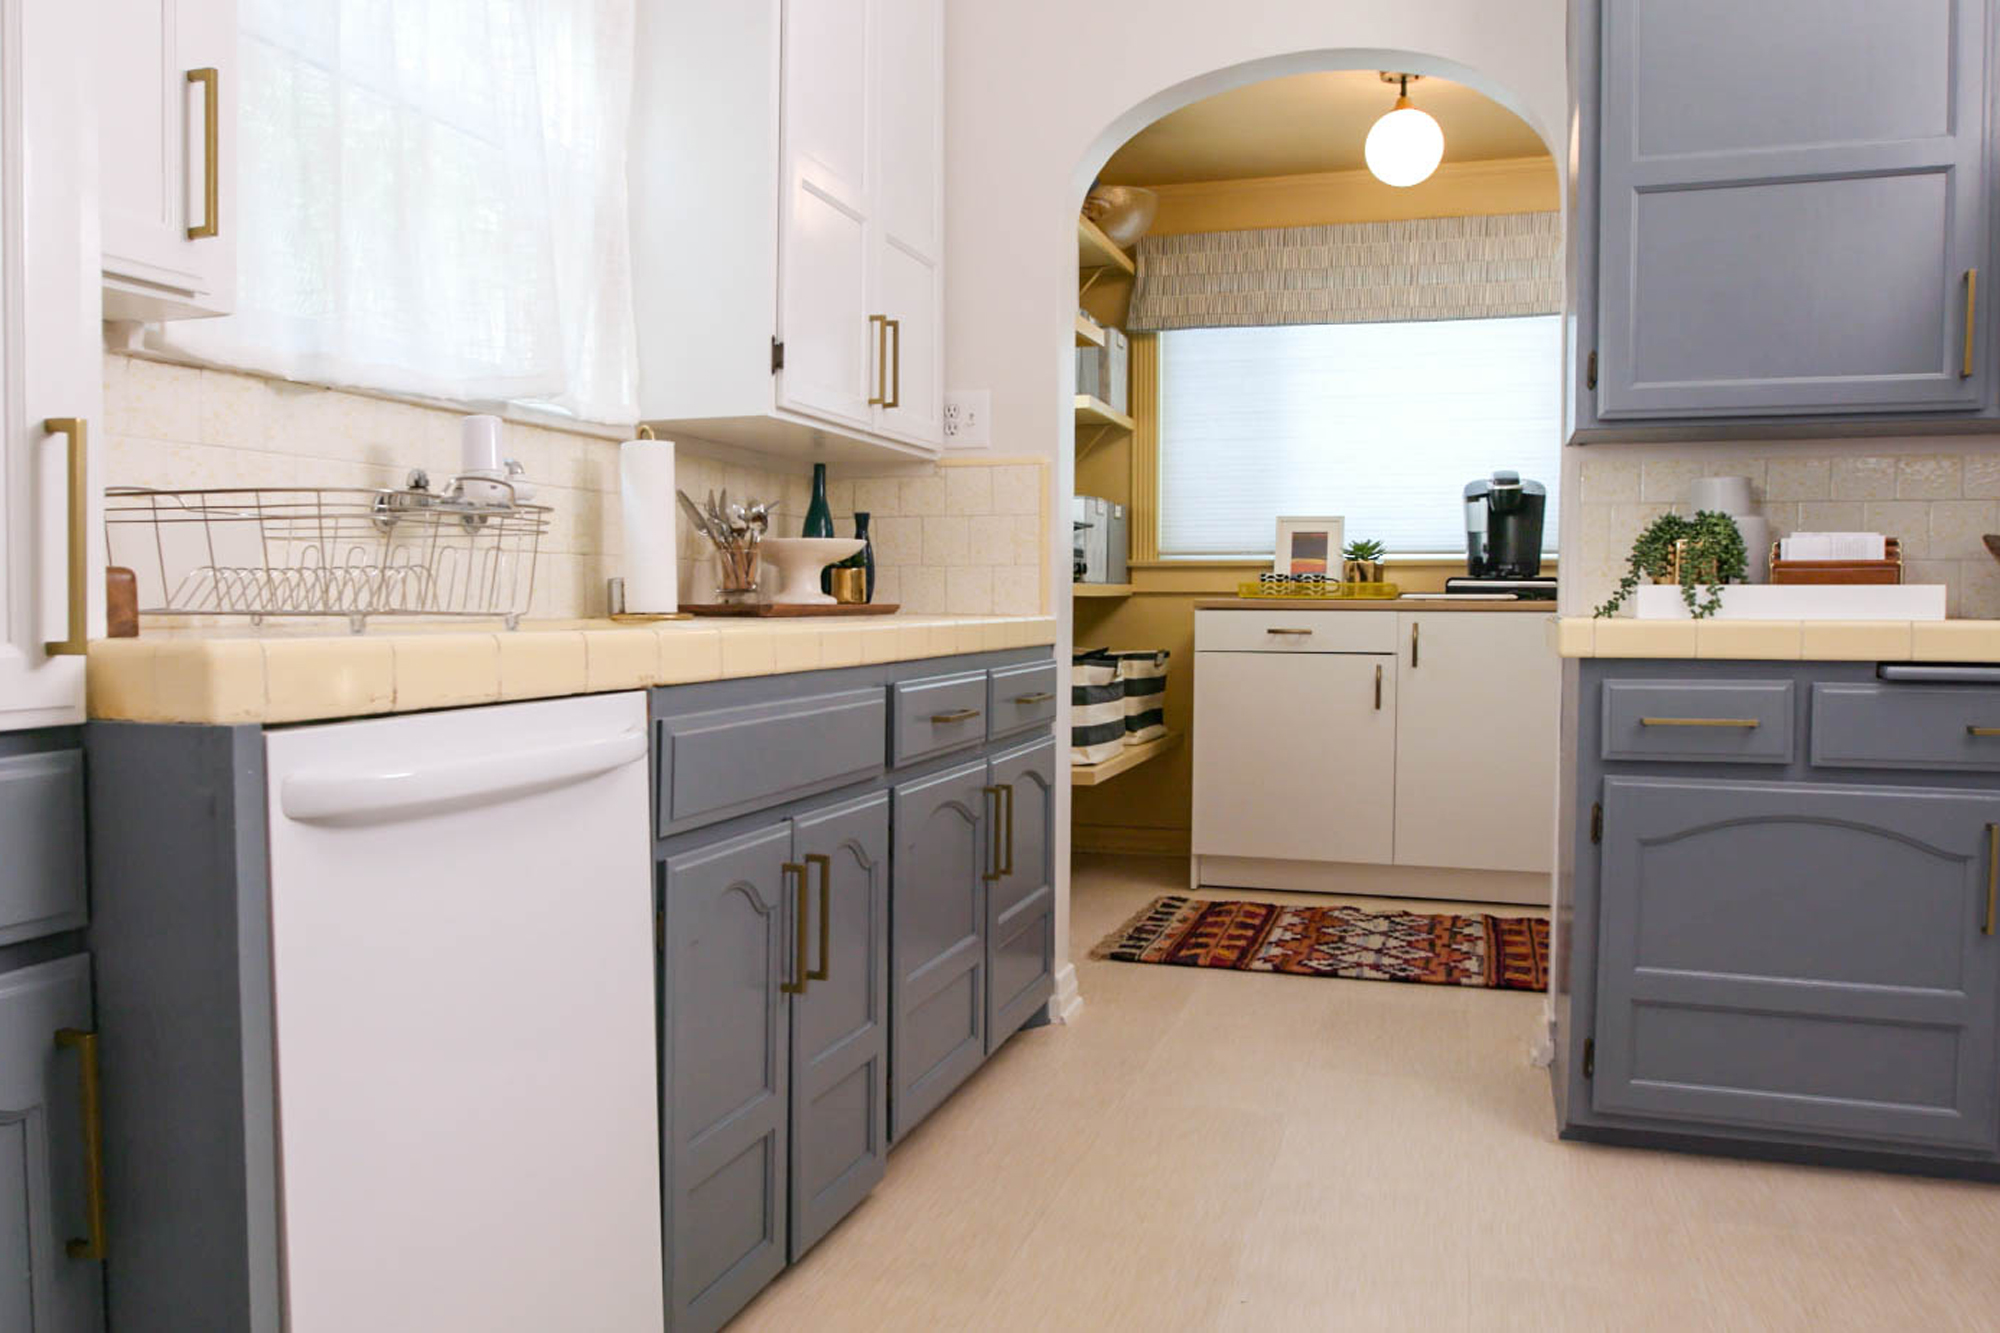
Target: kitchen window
<point>1382,423</point>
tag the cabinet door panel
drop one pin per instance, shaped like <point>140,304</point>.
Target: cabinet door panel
<point>1293,758</point>
<point>1798,957</point>
<point>729,935</point>
<point>912,294</point>
<point>1803,248</point>
<point>1476,742</point>
<point>42,1289</point>
<point>909,138</point>
<point>840,1026</point>
<point>1021,906</point>
<point>937,957</point>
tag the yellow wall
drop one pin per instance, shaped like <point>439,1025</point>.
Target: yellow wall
<point>1148,809</point>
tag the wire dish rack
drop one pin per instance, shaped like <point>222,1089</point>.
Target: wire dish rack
<point>326,551</point>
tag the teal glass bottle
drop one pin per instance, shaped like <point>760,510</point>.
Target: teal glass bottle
<point>819,520</point>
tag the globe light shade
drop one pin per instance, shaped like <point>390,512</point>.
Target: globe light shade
<point>1404,147</point>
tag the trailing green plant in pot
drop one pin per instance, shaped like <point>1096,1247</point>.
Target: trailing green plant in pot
<point>1706,549</point>
<point>1363,562</point>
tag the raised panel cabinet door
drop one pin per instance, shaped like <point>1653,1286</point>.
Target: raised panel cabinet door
<point>730,936</point>
<point>162,166</point>
<point>840,1023</point>
<point>44,1185</point>
<point>1800,957</point>
<point>907,78</point>
<point>1476,704</point>
<point>937,953</point>
<point>1021,904</point>
<point>826,227</point>
<point>1804,242</point>
<point>1295,755</point>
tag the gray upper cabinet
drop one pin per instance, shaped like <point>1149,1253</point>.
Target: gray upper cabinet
<point>47,1285</point>
<point>730,937</point>
<point>1806,958</point>
<point>840,1021</point>
<point>1021,902</point>
<point>937,951</point>
<point>1792,210</point>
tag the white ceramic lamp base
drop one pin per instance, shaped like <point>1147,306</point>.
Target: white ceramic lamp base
<point>799,561</point>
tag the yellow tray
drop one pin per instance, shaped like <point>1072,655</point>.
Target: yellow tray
<point>1322,592</point>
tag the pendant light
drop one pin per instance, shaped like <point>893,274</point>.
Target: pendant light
<point>1405,146</point>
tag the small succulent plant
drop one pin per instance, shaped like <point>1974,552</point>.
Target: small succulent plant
<point>1364,550</point>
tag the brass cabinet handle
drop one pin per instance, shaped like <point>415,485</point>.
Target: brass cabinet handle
<point>993,876</point>
<point>1039,697</point>
<point>1992,876</point>
<point>1378,687</point>
<point>211,169</point>
<point>78,435</point>
<point>1698,722</point>
<point>825,970</point>
<point>895,397</point>
<point>1288,631</point>
<point>880,325</point>
<point>955,715</point>
<point>1971,307</point>
<point>799,970</point>
<point>1414,627</point>
<point>1007,790</point>
<point>1982,731</point>
<point>85,1046</point>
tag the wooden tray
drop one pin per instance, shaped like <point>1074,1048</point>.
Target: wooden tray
<point>1885,571</point>
<point>762,609</point>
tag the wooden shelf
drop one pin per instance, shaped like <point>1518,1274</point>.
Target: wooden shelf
<point>1088,332</point>
<point>1100,590</point>
<point>1089,775</point>
<point>1096,412</point>
<point>1096,250</point>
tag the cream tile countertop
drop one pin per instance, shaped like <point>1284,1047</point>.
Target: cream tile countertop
<point>1783,640</point>
<point>281,673</point>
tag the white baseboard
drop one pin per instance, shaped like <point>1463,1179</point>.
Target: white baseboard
<point>1068,1000</point>
<point>1529,888</point>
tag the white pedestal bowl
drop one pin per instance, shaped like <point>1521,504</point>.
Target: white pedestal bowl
<point>799,561</point>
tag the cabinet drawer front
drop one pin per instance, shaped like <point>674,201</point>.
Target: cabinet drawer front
<point>938,714</point>
<point>1710,722</point>
<point>1905,726</point>
<point>731,761</point>
<point>1021,697</point>
<point>41,826</point>
<point>1295,631</point>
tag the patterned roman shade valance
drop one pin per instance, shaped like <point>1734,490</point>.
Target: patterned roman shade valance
<point>1351,273</point>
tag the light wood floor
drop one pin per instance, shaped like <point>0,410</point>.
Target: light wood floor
<point>1204,1150</point>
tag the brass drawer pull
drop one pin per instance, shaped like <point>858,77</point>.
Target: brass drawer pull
<point>1982,731</point>
<point>799,969</point>
<point>1378,687</point>
<point>894,398</point>
<point>211,169</point>
<point>1039,697</point>
<point>1971,307</point>
<point>1288,631</point>
<point>955,715</point>
<point>1007,866</point>
<point>999,864</point>
<point>92,1099</point>
<point>880,325</point>
<point>1992,876</point>
<point>1414,628</point>
<point>1698,722</point>
<point>77,433</point>
<point>824,972</point>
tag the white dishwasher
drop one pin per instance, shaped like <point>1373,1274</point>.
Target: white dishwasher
<point>462,960</point>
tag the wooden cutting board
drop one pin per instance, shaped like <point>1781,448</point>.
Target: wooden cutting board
<point>762,609</point>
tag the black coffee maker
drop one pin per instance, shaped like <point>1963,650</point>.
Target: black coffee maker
<point>1503,527</point>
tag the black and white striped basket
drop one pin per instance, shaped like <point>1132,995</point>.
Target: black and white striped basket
<point>1143,674</point>
<point>1097,708</point>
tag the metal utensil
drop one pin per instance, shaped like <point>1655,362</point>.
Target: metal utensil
<point>695,516</point>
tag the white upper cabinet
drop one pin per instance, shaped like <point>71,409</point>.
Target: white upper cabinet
<point>788,201</point>
<point>166,79</point>
<point>51,371</point>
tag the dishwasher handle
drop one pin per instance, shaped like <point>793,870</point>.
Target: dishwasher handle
<point>393,792</point>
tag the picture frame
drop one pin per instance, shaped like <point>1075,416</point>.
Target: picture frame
<point>1309,544</point>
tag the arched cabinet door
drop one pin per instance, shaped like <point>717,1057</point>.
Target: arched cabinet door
<point>728,935</point>
<point>1804,958</point>
<point>1021,908</point>
<point>938,949</point>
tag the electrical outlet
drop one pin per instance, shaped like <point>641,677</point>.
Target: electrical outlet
<point>968,418</point>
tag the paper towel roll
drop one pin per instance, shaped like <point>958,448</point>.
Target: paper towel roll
<point>652,522</point>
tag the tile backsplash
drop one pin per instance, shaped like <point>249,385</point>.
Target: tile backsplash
<point>964,538</point>
<point>1938,496</point>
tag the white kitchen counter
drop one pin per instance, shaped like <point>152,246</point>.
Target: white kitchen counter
<point>306,672</point>
<point>1783,640</point>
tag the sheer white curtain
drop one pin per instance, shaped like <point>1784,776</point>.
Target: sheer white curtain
<point>432,201</point>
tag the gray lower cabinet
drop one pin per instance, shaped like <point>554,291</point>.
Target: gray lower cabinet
<point>1021,901</point>
<point>50,1275</point>
<point>940,868</point>
<point>1799,956</point>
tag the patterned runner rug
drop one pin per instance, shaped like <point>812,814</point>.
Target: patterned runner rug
<point>1499,952</point>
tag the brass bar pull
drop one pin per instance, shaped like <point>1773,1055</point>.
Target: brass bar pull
<point>797,986</point>
<point>993,876</point>
<point>78,435</point>
<point>879,324</point>
<point>955,715</point>
<point>824,972</point>
<point>1288,631</point>
<point>1378,687</point>
<point>1698,722</point>
<point>211,150</point>
<point>1007,790</point>
<point>1982,731</point>
<point>85,1046</point>
<point>1992,876</point>
<point>895,398</point>
<point>1971,308</point>
<point>1414,628</point>
<point>1039,697</point>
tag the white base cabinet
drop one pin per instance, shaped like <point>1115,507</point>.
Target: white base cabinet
<point>1375,738</point>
